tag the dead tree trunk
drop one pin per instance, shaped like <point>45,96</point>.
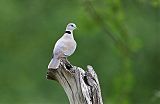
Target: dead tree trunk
<point>81,87</point>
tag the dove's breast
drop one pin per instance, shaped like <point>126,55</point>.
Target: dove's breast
<point>69,47</point>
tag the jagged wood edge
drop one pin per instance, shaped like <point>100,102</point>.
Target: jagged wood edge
<point>81,87</point>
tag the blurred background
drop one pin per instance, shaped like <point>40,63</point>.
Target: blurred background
<point>119,38</point>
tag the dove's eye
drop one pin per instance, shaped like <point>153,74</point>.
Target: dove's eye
<point>72,25</point>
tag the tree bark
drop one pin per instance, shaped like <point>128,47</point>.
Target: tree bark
<point>81,87</point>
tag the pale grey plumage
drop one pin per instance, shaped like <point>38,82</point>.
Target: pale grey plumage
<point>64,47</point>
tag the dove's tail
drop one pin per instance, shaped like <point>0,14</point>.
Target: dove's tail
<point>54,63</point>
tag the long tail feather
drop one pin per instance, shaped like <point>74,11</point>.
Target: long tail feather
<point>54,63</point>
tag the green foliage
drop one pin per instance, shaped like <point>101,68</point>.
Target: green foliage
<point>122,44</point>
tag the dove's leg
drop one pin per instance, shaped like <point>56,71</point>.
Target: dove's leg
<point>67,63</point>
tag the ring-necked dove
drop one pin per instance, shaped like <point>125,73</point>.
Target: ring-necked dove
<point>64,47</point>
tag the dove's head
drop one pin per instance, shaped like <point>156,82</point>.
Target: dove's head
<point>71,27</point>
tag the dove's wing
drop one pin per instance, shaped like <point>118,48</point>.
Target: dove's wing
<point>64,47</point>
<point>58,48</point>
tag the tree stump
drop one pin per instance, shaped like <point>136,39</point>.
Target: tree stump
<point>81,87</point>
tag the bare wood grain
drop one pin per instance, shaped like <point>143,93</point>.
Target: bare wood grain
<point>81,87</point>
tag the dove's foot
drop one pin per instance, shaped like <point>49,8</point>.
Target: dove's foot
<point>68,66</point>
<point>67,63</point>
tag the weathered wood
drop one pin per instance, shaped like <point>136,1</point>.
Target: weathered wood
<point>81,87</point>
